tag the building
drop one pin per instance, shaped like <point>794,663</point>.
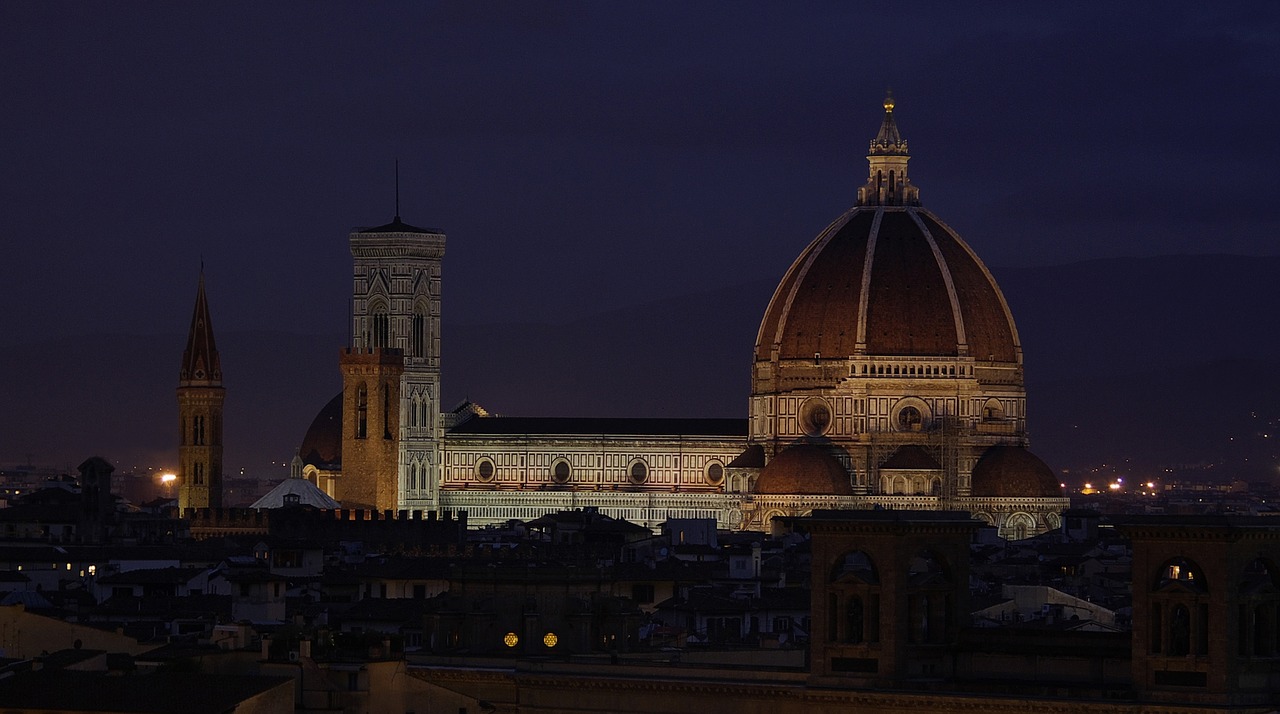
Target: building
<point>891,631</point>
<point>200,397</point>
<point>887,373</point>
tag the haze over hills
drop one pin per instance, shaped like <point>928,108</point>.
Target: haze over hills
<point>1166,360</point>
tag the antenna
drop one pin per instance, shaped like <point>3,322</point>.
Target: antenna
<point>397,190</point>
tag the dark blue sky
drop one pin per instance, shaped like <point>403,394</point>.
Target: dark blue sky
<point>582,156</point>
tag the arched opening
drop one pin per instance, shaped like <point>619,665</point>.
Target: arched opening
<point>854,600</point>
<point>928,599</point>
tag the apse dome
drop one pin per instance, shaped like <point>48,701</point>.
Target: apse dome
<point>1013,472</point>
<point>804,470</point>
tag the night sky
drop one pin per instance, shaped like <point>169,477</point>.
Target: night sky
<point>589,156</point>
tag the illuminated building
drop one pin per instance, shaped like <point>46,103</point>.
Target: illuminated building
<point>200,397</point>
<point>887,373</point>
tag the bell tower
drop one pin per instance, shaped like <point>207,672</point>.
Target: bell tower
<point>392,437</point>
<point>200,396</point>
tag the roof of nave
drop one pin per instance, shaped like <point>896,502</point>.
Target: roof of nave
<point>612,426</point>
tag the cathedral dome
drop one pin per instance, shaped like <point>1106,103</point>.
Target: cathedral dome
<point>322,446</point>
<point>888,278</point>
<point>1013,472</point>
<point>804,470</point>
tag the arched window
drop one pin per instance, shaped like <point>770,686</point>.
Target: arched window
<point>910,419</point>
<point>929,616</point>
<point>419,331</point>
<point>381,329</point>
<point>853,619</point>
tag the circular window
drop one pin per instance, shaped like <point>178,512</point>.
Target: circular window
<point>560,472</point>
<point>815,417</point>
<point>550,639</point>
<point>910,419</point>
<point>715,474</point>
<point>510,639</point>
<point>484,470</point>
<point>639,471</point>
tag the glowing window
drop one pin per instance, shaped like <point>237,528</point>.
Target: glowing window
<point>550,639</point>
<point>511,639</point>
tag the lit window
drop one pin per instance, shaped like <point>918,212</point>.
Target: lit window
<point>510,639</point>
<point>550,639</point>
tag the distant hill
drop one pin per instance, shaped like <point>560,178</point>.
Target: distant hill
<point>1158,360</point>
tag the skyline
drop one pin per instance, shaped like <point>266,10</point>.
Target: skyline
<point>572,150</point>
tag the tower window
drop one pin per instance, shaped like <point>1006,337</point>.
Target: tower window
<point>381,329</point>
<point>386,411</point>
<point>197,431</point>
<point>362,412</point>
<point>419,335</point>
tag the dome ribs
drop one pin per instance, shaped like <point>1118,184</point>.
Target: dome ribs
<point>908,309</point>
<point>988,325</point>
<point>822,316</point>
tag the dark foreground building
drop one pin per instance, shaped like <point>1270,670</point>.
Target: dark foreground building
<point>890,634</point>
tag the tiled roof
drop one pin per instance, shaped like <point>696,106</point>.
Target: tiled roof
<point>614,426</point>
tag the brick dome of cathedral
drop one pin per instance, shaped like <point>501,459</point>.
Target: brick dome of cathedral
<point>887,281</point>
<point>804,470</point>
<point>887,278</point>
<point>322,446</point>
<point>1013,472</point>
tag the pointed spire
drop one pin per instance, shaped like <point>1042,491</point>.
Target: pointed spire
<point>201,365</point>
<point>887,184</point>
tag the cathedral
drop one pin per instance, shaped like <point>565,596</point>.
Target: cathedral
<point>887,373</point>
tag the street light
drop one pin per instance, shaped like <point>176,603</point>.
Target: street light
<point>167,480</point>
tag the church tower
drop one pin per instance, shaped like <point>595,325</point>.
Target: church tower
<point>200,396</point>
<point>391,432</point>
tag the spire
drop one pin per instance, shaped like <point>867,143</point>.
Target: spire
<point>201,366</point>
<point>887,184</point>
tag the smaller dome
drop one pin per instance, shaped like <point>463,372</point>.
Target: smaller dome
<point>1013,472</point>
<point>322,446</point>
<point>804,470</point>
